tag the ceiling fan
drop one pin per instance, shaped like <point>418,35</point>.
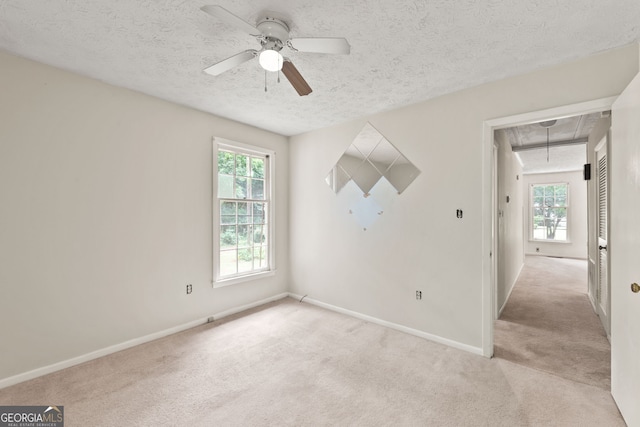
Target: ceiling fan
<point>273,36</point>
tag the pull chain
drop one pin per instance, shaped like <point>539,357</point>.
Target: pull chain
<point>265,80</point>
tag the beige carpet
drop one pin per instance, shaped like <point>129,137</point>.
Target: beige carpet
<point>549,323</point>
<point>293,364</point>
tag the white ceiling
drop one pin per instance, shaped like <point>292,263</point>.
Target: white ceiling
<point>560,159</point>
<point>402,51</point>
<point>567,138</point>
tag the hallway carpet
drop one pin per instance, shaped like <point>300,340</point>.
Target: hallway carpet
<point>549,324</point>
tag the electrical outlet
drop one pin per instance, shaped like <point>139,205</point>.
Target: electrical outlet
<point>210,319</point>
<point>418,294</point>
<point>537,249</point>
<point>189,289</point>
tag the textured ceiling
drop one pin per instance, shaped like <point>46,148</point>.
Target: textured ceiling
<point>402,51</point>
<point>570,133</point>
<point>561,159</point>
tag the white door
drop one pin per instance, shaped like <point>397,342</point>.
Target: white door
<point>602,290</point>
<point>598,290</point>
<point>624,252</point>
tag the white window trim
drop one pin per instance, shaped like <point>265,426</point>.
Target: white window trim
<point>568,206</point>
<point>222,143</point>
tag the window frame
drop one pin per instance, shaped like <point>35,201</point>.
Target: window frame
<point>269,192</point>
<point>567,206</point>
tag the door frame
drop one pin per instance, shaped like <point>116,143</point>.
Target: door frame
<point>489,210</point>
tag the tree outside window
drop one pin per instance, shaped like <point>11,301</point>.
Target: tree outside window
<point>550,203</point>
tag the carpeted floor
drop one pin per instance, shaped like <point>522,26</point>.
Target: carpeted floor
<point>549,323</point>
<point>294,364</point>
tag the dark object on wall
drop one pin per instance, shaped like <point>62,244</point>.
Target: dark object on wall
<point>508,199</point>
<point>459,213</point>
<point>587,172</point>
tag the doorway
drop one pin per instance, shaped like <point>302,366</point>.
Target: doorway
<point>490,209</point>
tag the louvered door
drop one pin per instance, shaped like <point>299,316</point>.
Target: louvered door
<point>603,293</point>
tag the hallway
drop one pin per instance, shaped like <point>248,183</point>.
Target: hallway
<point>549,324</point>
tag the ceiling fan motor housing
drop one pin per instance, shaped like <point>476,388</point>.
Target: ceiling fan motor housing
<point>271,43</point>
<point>275,33</point>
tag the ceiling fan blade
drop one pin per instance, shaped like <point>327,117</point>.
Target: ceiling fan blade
<point>295,78</point>
<point>229,18</point>
<point>321,45</point>
<point>229,63</point>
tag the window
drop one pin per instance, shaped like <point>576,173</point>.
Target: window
<point>242,211</point>
<point>549,205</point>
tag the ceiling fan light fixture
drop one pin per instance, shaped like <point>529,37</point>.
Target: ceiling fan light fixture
<point>271,60</point>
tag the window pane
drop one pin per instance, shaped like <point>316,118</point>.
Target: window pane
<point>228,208</point>
<point>260,256</point>
<point>258,213</point>
<point>243,208</point>
<point>241,188</point>
<point>227,219</point>
<point>228,213</point>
<point>225,162</point>
<point>244,235</point>
<point>257,168</point>
<point>548,191</point>
<point>245,260</point>
<point>228,262</point>
<point>538,191</point>
<point>259,236</point>
<point>242,163</point>
<point>225,186</point>
<point>538,201</point>
<point>228,236</point>
<point>538,216</point>
<point>244,214</point>
<point>257,189</point>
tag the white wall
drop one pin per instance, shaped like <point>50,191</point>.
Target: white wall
<point>510,220</point>
<point>105,215</point>
<point>419,243</point>
<point>577,246</point>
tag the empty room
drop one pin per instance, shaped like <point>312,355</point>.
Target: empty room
<point>319,213</point>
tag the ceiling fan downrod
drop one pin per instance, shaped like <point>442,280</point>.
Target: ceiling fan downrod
<point>547,124</point>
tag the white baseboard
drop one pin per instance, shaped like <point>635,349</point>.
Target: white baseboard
<point>242,308</point>
<point>391,325</point>
<point>513,285</point>
<point>554,256</point>
<point>29,375</point>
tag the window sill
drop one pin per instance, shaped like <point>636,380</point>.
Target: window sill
<point>554,242</point>
<point>246,278</point>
